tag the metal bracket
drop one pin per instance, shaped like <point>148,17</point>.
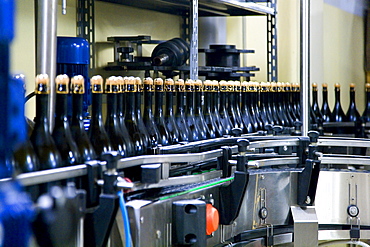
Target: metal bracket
<point>307,183</point>
<point>223,161</point>
<point>89,183</point>
<point>306,226</point>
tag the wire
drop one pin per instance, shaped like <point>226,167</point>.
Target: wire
<point>126,222</point>
<point>29,96</point>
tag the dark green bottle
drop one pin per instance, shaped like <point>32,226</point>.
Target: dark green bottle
<point>180,117</point>
<point>148,117</point>
<point>205,132</point>
<point>169,86</point>
<point>209,116</point>
<point>164,137</point>
<point>97,133</point>
<point>62,133</point>
<point>41,138</point>
<point>79,134</point>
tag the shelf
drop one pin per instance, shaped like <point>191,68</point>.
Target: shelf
<point>206,7</point>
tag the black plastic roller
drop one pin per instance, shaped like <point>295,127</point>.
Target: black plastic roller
<point>173,52</point>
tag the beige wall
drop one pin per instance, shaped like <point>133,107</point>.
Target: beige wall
<point>337,48</point>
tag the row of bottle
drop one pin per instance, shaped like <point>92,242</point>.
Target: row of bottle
<point>183,111</point>
<point>325,114</point>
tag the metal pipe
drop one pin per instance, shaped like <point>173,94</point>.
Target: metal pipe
<point>46,50</point>
<point>305,64</point>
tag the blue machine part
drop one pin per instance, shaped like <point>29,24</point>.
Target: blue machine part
<point>73,56</point>
<point>16,215</point>
<point>6,21</point>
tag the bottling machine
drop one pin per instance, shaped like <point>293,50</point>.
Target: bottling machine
<point>259,189</point>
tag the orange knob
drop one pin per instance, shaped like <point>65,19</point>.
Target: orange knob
<point>212,218</point>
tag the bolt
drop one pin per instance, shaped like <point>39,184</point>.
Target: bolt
<point>141,219</point>
<point>285,148</point>
<point>158,234</point>
<point>262,177</point>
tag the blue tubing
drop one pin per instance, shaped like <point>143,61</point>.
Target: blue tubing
<point>126,222</point>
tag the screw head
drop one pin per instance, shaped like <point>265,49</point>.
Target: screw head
<point>263,213</point>
<point>353,210</point>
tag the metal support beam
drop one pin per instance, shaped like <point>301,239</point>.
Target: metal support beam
<point>305,64</point>
<point>272,44</point>
<point>194,39</point>
<point>86,25</point>
<point>46,50</point>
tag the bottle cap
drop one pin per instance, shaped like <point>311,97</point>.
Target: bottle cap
<point>42,84</point>
<point>314,85</point>
<point>139,84</point>
<point>198,85</point>
<point>337,85</point>
<point>216,86</point>
<point>189,85</point>
<point>352,85</point>
<point>223,86</point>
<point>96,84</point>
<point>367,86</point>
<point>273,87</point>
<point>130,84</point>
<point>158,84</point>
<point>207,86</point>
<point>169,85</point>
<point>244,86</point>
<point>111,85</point>
<point>78,84</point>
<point>121,84</point>
<point>62,84</point>
<point>148,84</point>
<point>230,86</point>
<point>180,85</point>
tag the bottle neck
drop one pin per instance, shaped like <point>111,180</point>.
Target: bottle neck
<point>324,97</point>
<point>337,96</point>
<point>111,106</point>
<point>120,104</point>
<point>96,107</point>
<point>368,100</point>
<point>190,102</point>
<point>77,112</point>
<point>169,103</point>
<point>208,100</point>
<point>62,110</point>
<point>180,102</point>
<point>130,104</point>
<point>159,104</point>
<point>138,103</point>
<point>41,117</point>
<point>352,96</point>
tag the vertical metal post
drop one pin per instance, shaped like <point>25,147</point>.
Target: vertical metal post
<point>272,44</point>
<point>194,39</point>
<point>46,50</point>
<point>305,64</point>
<point>86,25</point>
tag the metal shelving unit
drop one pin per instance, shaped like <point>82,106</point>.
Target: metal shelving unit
<point>190,10</point>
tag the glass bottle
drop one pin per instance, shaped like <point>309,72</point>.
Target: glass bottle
<point>216,105</point>
<point>78,132</point>
<point>62,133</point>
<point>265,114</point>
<point>97,133</point>
<point>180,117</point>
<point>190,118</point>
<point>248,120</point>
<point>41,138</point>
<point>24,156</point>
<point>325,109</point>
<point>164,137</point>
<point>205,133</point>
<point>130,150</point>
<point>366,113</point>
<point>315,104</point>
<point>352,113</point>
<point>209,117</point>
<point>253,102</point>
<point>169,86</point>
<point>337,115</point>
<point>279,99</point>
<point>131,117</point>
<point>148,117</point>
<point>224,116</point>
<point>138,103</point>
<point>289,103</point>
<point>112,126</point>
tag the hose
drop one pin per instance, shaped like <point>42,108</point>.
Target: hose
<point>126,222</point>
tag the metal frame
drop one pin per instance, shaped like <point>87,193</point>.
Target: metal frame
<point>193,60</point>
<point>272,67</point>
<point>86,26</point>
